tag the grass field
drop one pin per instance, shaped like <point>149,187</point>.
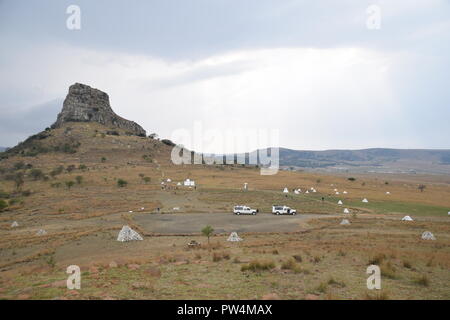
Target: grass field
<point>320,259</point>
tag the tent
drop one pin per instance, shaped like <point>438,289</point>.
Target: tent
<point>337,192</point>
<point>407,218</point>
<point>346,210</point>
<point>189,183</point>
<point>179,184</point>
<point>339,202</point>
<point>234,237</point>
<point>387,192</point>
<point>14,224</point>
<point>296,191</point>
<point>345,221</point>
<point>311,188</point>
<point>41,232</point>
<point>345,192</point>
<point>427,235</point>
<point>168,180</point>
<point>365,200</point>
<point>448,213</point>
<point>307,191</point>
<point>285,190</point>
<point>128,234</point>
<point>314,190</point>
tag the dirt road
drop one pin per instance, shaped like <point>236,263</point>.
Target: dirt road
<point>221,222</point>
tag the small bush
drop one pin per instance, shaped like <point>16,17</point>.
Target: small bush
<point>423,281</point>
<point>69,184</point>
<point>388,271</point>
<point>377,259</point>
<point>351,179</point>
<point>79,179</point>
<point>297,257</point>
<point>407,264</point>
<point>256,265</point>
<point>3,205</point>
<point>36,174</point>
<point>121,183</point>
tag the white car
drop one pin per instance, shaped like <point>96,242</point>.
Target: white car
<point>283,210</point>
<point>244,210</point>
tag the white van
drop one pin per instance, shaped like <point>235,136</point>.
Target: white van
<point>283,210</point>
<point>244,210</point>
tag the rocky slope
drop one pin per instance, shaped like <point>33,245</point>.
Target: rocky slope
<point>86,104</point>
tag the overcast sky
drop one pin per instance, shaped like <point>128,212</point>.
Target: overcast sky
<point>311,69</point>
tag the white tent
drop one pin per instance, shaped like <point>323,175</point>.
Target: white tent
<point>142,208</point>
<point>128,234</point>
<point>387,192</point>
<point>346,210</point>
<point>285,190</point>
<point>234,237</point>
<point>407,218</point>
<point>337,192</point>
<point>365,200</point>
<point>345,192</point>
<point>345,221</point>
<point>245,186</point>
<point>339,202</point>
<point>448,213</point>
<point>314,190</point>
<point>179,184</point>
<point>41,232</point>
<point>311,188</point>
<point>296,191</point>
<point>14,224</point>
<point>427,235</point>
<point>189,183</point>
<point>307,191</point>
<point>168,180</point>
<point>162,182</point>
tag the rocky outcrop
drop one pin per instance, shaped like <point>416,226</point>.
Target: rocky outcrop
<point>87,104</point>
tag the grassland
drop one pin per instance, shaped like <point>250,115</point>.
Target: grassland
<point>320,259</point>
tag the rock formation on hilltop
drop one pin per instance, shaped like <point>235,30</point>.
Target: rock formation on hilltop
<point>86,104</point>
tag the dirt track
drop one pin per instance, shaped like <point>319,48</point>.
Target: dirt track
<point>221,222</point>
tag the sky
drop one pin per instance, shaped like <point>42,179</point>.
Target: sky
<point>310,75</point>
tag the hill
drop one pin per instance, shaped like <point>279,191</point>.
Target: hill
<point>379,160</point>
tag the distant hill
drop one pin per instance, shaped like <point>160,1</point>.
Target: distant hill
<point>3,149</point>
<point>369,160</point>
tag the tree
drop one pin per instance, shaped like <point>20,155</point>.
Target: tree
<point>79,179</point>
<point>207,232</point>
<point>147,179</point>
<point>421,187</point>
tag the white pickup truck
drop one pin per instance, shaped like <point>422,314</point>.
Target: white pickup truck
<point>283,210</point>
<point>244,210</point>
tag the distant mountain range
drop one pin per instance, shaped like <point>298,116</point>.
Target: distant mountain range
<point>368,160</point>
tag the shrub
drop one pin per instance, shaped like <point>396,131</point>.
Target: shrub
<point>70,168</point>
<point>256,265</point>
<point>19,165</point>
<point>297,257</point>
<point>69,184</point>
<point>56,185</point>
<point>103,159</point>
<point>82,167</point>
<point>79,179</point>
<point>3,204</point>
<point>388,271</point>
<point>56,171</point>
<point>36,174</point>
<point>377,259</point>
<point>423,281</point>
<point>121,183</point>
<point>407,264</point>
<point>351,179</point>
<point>146,179</point>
